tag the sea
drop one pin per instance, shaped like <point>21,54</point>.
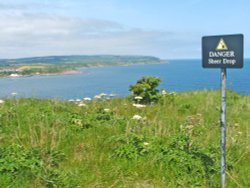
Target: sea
<point>176,76</point>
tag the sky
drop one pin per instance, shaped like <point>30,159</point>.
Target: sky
<point>162,28</point>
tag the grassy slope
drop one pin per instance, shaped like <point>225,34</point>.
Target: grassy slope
<point>88,137</point>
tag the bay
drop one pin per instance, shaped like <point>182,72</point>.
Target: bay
<point>176,75</point>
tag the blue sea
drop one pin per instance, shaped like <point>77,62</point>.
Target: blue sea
<point>176,75</point>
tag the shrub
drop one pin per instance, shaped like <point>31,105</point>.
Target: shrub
<point>146,88</point>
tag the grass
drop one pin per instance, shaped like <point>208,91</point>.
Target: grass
<point>25,67</point>
<point>51,143</point>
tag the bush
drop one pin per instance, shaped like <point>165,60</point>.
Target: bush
<point>146,88</point>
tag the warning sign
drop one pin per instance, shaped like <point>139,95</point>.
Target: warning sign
<point>221,45</point>
<point>225,51</point>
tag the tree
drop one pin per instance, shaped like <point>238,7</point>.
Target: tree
<point>146,88</point>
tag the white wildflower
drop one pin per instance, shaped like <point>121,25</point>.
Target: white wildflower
<point>136,117</point>
<point>78,100</point>
<point>97,97</point>
<point>138,98</point>
<point>82,104</point>
<point>112,95</point>
<point>139,105</point>
<point>102,94</point>
<point>145,143</point>
<point>106,110</point>
<point>71,100</point>
<point>87,99</point>
<point>172,93</point>
<point>163,92</point>
<point>1,101</point>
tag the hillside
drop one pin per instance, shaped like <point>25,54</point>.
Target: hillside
<point>85,59</point>
<point>62,64</point>
<point>113,143</point>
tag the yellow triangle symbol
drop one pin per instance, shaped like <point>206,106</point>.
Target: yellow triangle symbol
<point>221,45</point>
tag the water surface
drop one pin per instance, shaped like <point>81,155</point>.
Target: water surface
<point>177,75</point>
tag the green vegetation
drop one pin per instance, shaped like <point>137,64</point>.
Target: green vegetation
<point>146,90</point>
<point>61,64</point>
<point>112,143</point>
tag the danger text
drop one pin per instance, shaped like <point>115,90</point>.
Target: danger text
<point>222,54</point>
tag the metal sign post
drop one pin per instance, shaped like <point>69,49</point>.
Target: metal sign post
<point>223,127</point>
<point>224,51</point>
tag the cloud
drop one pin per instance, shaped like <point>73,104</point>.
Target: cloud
<point>19,5</point>
<point>9,7</point>
<point>25,34</point>
<point>64,27</point>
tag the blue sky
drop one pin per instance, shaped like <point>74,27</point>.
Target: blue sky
<point>162,28</point>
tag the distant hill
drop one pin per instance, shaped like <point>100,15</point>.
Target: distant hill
<point>67,64</point>
<point>83,59</point>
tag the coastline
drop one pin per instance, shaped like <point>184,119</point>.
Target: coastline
<point>78,70</point>
<point>66,72</point>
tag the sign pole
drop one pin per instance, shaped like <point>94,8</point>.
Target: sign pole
<point>223,51</point>
<point>223,127</point>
